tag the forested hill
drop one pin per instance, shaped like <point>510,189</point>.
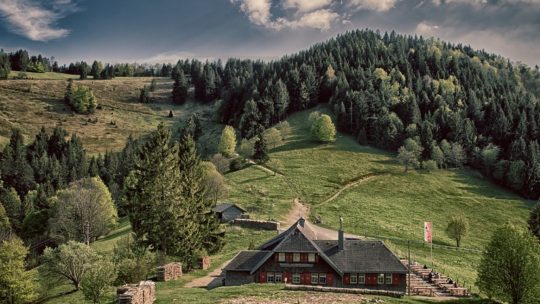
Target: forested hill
<point>464,107</point>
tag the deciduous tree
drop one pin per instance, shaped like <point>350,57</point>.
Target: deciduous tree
<point>227,143</point>
<point>323,130</point>
<point>510,267</point>
<point>457,228</point>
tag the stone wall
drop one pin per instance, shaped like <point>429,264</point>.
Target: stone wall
<point>168,272</point>
<point>395,294</point>
<point>142,293</point>
<point>255,224</point>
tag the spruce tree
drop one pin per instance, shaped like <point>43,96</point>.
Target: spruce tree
<point>153,198</point>
<point>260,150</point>
<point>206,234</point>
<point>180,88</point>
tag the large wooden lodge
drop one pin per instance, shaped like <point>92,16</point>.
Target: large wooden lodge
<point>297,256</point>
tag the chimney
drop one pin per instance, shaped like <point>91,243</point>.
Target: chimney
<point>340,235</point>
<point>301,221</point>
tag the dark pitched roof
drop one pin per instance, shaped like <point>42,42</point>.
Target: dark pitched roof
<point>358,255</point>
<point>362,256</point>
<point>222,207</point>
<point>246,260</point>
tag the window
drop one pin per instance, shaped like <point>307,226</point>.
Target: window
<point>270,277</point>
<point>322,278</point>
<point>314,278</point>
<point>388,279</point>
<point>281,256</point>
<point>278,278</point>
<point>353,278</point>
<point>296,257</point>
<point>296,278</point>
<point>361,278</point>
<point>380,279</point>
<point>311,257</point>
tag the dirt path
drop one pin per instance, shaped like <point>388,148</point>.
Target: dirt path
<point>300,209</point>
<point>350,184</point>
<point>263,168</point>
<point>209,281</point>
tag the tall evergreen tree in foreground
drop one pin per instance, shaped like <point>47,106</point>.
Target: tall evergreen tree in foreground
<point>164,198</point>
<point>208,233</point>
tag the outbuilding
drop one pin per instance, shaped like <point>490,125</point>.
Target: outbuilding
<point>227,212</point>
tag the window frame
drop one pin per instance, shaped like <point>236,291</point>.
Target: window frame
<point>268,276</point>
<point>278,275</point>
<point>296,275</point>
<point>388,280</point>
<point>311,258</point>
<point>351,280</point>
<point>282,257</point>
<point>296,257</point>
<point>363,280</point>
<point>316,276</point>
<point>380,279</point>
<point>323,277</point>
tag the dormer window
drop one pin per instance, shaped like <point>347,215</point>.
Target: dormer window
<point>296,257</point>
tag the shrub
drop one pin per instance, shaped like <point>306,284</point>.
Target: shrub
<point>429,165</point>
<point>237,164</point>
<point>81,100</point>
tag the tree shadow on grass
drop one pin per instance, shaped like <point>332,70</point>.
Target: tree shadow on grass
<point>472,183</point>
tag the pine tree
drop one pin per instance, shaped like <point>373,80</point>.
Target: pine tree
<point>260,150</point>
<point>97,67</point>
<point>153,197</point>
<point>180,88</point>
<point>5,66</point>
<point>206,235</point>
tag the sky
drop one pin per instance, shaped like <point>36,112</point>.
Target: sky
<point>166,30</point>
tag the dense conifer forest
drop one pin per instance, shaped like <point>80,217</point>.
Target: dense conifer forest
<point>462,106</point>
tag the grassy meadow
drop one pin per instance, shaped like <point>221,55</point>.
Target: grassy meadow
<point>391,206</point>
<point>32,104</point>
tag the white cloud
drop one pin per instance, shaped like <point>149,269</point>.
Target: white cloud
<point>426,29</point>
<point>372,5</point>
<point>30,19</point>
<point>320,19</point>
<point>258,12</point>
<point>303,6</point>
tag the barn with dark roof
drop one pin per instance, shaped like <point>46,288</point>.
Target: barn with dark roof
<point>297,256</point>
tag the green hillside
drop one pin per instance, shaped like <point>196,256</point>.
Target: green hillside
<point>391,205</point>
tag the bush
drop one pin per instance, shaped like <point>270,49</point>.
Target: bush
<point>237,164</point>
<point>97,280</point>
<point>134,263</point>
<point>429,165</point>
<point>81,100</point>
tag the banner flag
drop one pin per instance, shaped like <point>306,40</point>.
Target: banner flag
<point>427,232</point>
